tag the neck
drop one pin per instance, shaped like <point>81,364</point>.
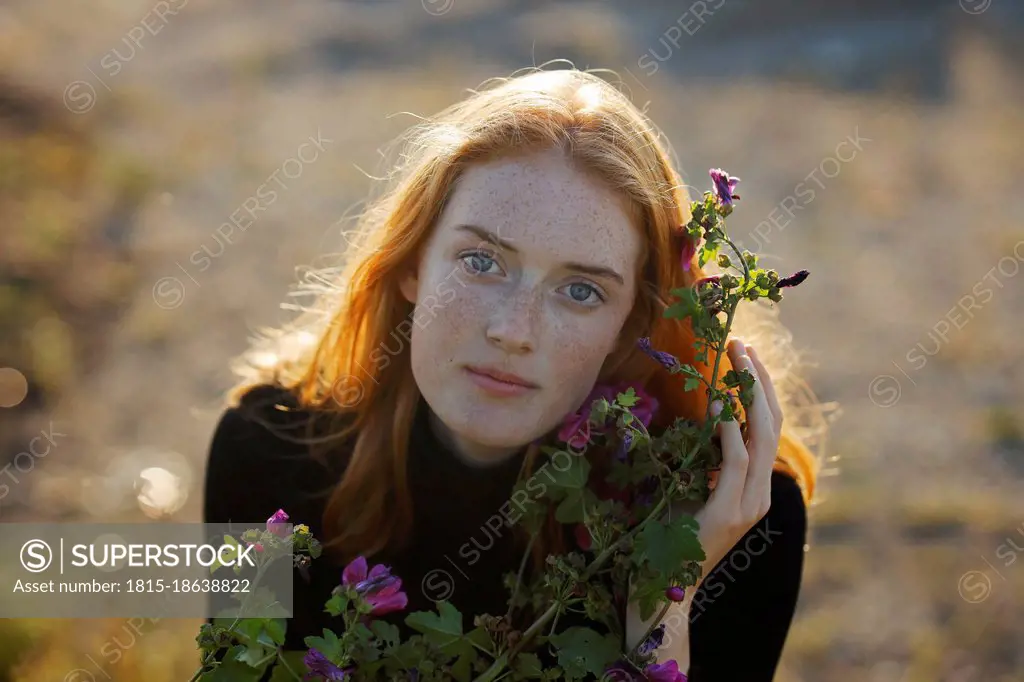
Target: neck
<point>473,454</point>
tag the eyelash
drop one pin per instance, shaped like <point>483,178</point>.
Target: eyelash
<point>490,256</point>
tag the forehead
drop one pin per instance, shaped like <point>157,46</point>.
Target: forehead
<point>540,201</point>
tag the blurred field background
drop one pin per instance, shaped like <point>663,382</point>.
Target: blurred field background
<point>129,134</point>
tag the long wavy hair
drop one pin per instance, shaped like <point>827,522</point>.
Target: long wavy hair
<point>324,355</point>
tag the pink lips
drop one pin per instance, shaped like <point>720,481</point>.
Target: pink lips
<point>498,383</point>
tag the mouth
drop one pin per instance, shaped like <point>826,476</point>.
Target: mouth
<point>499,377</point>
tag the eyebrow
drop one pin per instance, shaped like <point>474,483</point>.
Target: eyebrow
<point>492,238</point>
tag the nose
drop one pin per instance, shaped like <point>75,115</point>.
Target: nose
<point>513,326</point>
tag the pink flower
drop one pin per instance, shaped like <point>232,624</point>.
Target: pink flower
<point>377,586</point>
<point>257,546</point>
<point>275,524</point>
<point>577,430</point>
<point>687,253</point>
<point>583,538</point>
<point>664,672</point>
<point>646,405</point>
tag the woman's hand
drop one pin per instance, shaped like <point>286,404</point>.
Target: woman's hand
<point>741,498</point>
<point>743,493</point>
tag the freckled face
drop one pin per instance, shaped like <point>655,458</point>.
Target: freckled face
<point>547,304</point>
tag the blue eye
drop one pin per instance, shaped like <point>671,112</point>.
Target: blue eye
<point>477,262</point>
<point>580,292</point>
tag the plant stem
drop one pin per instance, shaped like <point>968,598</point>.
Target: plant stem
<point>519,576</point>
<point>650,628</point>
<point>554,623</point>
<point>281,659</point>
<point>587,574</point>
<point>208,658</point>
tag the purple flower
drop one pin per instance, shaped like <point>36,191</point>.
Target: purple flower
<point>575,429</point>
<point>645,491</point>
<point>275,524</point>
<point>622,454</point>
<point>320,667</point>
<point>794,279</point>
<point>675,593</point>
<point>653,641</point>
<point>664,672</point>
<point>667,360</point>
<point>377,586</point>
<point>724,186</point>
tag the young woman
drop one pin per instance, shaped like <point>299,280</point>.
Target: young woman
<point>528,239</point>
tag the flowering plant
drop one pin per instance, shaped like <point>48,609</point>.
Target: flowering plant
<point>625,537</point>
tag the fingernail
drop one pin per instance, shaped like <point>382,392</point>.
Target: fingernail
<point>716,408</point>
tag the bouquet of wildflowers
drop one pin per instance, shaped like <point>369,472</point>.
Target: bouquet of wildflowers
<point>629,539</point>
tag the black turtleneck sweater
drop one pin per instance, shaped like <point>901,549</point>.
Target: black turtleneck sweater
<point>258,463</point>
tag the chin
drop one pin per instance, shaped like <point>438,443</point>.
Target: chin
<point>494,429</point>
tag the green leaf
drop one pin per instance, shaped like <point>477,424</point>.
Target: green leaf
<point>480,637</point>
<point>528,666</point>
<point>687,305</point>
<point>440,628</point>
<point>571,509</point>
<point>582,650</point>
<point>229,555</point>
<point>444,629</point>
<point>234,670</point>
<point>668,545</point>
<point>253,654</point>
<point>336,605</point>
<point>649,594</point>
<point>275,629</point>
<point>690,384</point>
<point>295,660</point>
<point>386,633</point>
<point>628,398</point>
<point>328,645</point>
<point>573,477</point>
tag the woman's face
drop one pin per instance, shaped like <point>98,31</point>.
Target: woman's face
<point>530,271</point>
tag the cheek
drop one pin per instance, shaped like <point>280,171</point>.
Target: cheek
<point>577,352</point>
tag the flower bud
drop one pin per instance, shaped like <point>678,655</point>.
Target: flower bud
<point>723,261</point>
<point>675,593</point>
<point>794,279</point>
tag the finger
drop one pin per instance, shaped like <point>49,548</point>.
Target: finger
<point>769,389</point>
<point>762,447</point>
<point>732,477</point>
<point>759,416</point>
